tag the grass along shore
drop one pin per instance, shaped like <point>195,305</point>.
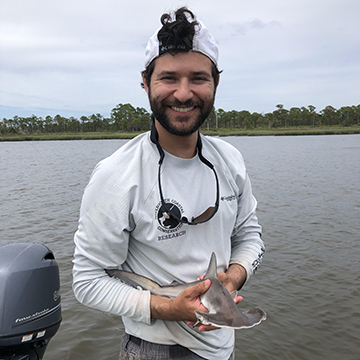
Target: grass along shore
<point>220,132</point>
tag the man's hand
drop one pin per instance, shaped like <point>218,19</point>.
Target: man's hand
<point>183,307</point>
<point>233,279</point>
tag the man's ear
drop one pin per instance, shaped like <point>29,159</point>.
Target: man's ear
<point>218,82</point>
<point>146,87</point>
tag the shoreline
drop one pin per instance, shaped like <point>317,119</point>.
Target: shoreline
<point>223,133</point>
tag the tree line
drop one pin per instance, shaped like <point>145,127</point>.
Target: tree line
<point>126,118</point>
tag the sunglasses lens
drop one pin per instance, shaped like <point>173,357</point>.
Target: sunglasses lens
<point>205,215</point>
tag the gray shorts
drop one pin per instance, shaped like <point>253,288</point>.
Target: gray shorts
<point>133,348</point>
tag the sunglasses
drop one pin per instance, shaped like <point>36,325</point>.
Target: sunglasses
<point>168,209</point>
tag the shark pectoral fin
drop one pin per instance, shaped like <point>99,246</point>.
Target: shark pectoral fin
<point>196,324</point>
<point>201,318</point>
<point>234,295</point>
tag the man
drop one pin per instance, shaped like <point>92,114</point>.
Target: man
<point>162,203</point>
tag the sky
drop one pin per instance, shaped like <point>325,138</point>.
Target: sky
<point>82,57</point>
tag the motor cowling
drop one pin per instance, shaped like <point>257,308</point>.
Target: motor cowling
<point>30,310</point>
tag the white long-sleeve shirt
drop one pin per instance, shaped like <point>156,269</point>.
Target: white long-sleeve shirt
<point>121,225</point>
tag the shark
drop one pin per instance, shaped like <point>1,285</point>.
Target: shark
<point>222,310</point>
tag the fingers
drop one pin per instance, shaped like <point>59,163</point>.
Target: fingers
<point>207,328</point>
<point>199,288</point>
<point>204,286</point>
<point>188,301</point>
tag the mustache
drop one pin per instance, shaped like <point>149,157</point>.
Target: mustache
<point>178,103</point>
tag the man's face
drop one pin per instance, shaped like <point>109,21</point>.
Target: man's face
<point>181,91</point>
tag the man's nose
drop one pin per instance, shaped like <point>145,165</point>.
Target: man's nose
<point>183,91</point>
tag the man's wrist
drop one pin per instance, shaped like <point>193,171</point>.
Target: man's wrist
<point>161,308</point>
<point>237,276</point>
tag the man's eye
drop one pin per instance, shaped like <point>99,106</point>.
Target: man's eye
<point>200,79</point>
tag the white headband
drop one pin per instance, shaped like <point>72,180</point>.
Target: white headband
<point>203,42</point>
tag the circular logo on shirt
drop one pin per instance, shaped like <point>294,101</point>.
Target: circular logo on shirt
<point>165,220</point>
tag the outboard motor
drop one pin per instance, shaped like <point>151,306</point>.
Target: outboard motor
<point>30,311</point>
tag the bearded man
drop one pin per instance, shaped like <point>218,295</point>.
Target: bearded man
<point>162,203</point>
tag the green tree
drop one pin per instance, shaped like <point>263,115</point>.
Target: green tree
<point>123,116</point>
<point>305,116</point>
<point>220,118</point>
<point>347,115</point>
<point>357,115</point>
<point>74,125</point>
<point>255,120</point>
<point>295,116</point>
<point>9,127</point>
<point>210,122</point>
<point>243,119</point>
<point>84,123</point>
<point>231,119</point>
<point>60,123</point>
<point>329,116</point>
<point>48,124</point>
<point>96,122</point>
<point>269,119</point>
<point>143,119</point>
<point>313,115</point>
<point>281,115</point>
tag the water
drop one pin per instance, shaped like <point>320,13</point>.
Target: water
<point>308,189</point>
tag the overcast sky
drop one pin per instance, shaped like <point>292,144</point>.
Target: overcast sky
<point>79,57</point>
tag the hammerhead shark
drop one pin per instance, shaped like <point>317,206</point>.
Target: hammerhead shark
<point>222,310</point>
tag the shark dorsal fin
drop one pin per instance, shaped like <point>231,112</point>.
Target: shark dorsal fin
<point>212,268</point>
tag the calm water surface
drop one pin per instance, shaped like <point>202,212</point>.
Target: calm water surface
<point>308,189</point>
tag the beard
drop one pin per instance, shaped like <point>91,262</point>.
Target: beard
<point>159,109</point>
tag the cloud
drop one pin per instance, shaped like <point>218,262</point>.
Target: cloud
<point>245,27</point>
<point>86,56</point>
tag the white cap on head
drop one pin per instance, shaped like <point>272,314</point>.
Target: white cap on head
<point>203,42</point>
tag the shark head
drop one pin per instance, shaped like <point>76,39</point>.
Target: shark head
<point>222,310</point>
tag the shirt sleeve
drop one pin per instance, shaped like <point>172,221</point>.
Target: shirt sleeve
<point>247,246</point>
<point>101,242</point>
